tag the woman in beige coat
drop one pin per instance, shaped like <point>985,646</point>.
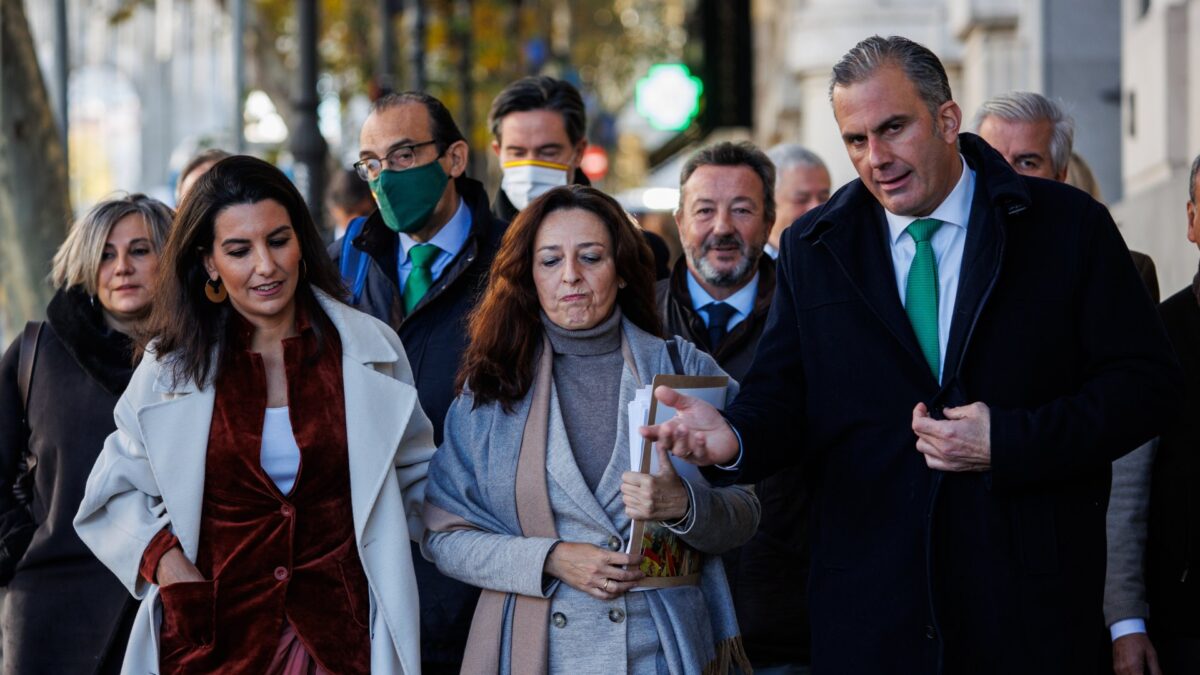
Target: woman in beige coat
<point>261,546</point>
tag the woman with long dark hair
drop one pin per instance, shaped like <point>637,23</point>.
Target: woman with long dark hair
<point>268,452</point>
<point>530,496</point>
<point>63,611</point>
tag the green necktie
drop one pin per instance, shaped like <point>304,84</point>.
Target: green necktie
<point>921,295</point>
<point>421,277</point>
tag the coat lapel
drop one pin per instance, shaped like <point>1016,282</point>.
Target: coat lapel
<point>371,447</point>
<point>1000,196</point>
<point>859,245</point>
<point>609,487</point>
<point>560,464</point>
<point>175,433</point>
<point>981,265</point>
<point>380,405</point>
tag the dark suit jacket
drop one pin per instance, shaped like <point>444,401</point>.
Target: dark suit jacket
<point>434,335</point>
<point>1173,545</point>
<point>679,318</point>
<point>1148,272</point>
<point>919,571</point>
<point>768,575</point>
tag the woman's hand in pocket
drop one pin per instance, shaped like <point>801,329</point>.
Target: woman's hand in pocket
<point>174,567</point>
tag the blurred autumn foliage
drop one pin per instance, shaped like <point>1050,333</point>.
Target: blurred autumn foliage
<point>470,49</point>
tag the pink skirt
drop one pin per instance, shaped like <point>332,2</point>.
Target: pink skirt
<point>291,657</point>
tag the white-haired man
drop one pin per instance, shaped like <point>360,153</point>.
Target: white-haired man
<point>1035,135</point>
<point>801,184</point>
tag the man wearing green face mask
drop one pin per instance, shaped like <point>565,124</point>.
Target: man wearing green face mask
<point>418,263</point>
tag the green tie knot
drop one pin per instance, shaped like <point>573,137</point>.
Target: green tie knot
<point>423,255</point>
<point>922,229</point>
<point>420,278</point>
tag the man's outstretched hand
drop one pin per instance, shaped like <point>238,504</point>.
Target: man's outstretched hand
<point>697,433</point>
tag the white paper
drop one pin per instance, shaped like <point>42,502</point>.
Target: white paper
<point>639,412</point>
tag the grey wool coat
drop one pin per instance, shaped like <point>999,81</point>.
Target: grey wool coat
<point>586,635</point>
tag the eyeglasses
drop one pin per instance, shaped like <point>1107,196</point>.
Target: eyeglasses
<point>400,158</point>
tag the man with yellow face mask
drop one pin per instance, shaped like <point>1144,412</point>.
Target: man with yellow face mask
<point>539,133</point>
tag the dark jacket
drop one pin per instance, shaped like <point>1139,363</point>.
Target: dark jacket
<point>504,209</point>
<point>64,611</point>
<point>1173,544</point>
<point>768,574</point>
<point>920,571</point>
<point>1148,272</point>
<point>679,318</point>
<point>434,337</point>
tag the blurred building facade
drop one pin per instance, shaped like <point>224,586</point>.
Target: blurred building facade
<point>1160,130</point>
<point>149,82</point>
<point>1066,49</point>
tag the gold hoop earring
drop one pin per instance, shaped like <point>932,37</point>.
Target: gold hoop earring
<point>215,291</point>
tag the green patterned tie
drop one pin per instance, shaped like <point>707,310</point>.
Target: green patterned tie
<point>421,277</point>
<point>921,295</point>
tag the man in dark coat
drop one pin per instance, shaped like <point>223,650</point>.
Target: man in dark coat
<point>958,353</point>
<point>425,298</point>
<point>539,134</point>
<point>1173,545</point>
<point>1035,135</point>
<point>717,297</point>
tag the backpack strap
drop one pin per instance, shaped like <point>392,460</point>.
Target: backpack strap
<point>676,359</point>
<point>29,347</point>
<point>353,263</point>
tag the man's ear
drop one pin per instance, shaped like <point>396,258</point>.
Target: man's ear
<point>496,146</point>
<point>949,121</point>
<point>457,154</point>
<point>1192,234</point>
<point>580,148</point>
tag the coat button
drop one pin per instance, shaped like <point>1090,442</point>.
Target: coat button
<point>281,573</point>
<point>615,543</point>
<point>616,615</point>
<point>286,511</point>
<point>560,619</point>
<point>930,632</point>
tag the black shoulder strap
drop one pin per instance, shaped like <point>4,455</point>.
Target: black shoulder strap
<point>29,346</point>
<point>676,359</point>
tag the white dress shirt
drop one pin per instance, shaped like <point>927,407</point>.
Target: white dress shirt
<point>742,301</point>
<point>450,239</point>
<point>948,244</point>
<point>1124,627</point>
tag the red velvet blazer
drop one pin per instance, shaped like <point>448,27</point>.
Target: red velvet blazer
<point>272,557</point>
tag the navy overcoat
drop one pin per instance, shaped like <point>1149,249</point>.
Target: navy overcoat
<point>920,571</point>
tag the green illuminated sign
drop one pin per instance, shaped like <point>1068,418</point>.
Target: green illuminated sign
<point>668,96</point>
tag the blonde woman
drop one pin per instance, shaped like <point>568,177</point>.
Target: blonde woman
<point>64,612</point>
